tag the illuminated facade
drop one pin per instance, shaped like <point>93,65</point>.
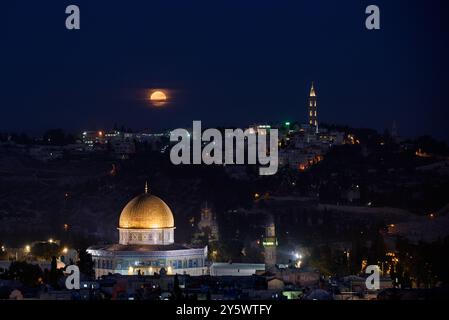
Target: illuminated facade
<point>146,243</point>
<point>270,243</point>
<point>312,109</point>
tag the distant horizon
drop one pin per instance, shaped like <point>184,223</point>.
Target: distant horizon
<point>38,133</point>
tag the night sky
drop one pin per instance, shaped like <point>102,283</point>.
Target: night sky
<point>227,63</point>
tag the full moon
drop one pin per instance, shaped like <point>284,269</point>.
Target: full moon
<point>158,97</point>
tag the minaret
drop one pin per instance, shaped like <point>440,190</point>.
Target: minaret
<point>312,107</point>
<point>270,243</point>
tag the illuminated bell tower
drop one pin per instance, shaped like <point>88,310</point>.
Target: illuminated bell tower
<point>312,108</point>
<point>208,221</point>
<point>270,243</point>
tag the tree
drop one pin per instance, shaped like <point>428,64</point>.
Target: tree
<point>225,251</point>
<point>430,145</point>
<point>177,292</point>
<point>53,272</point>
<point>320,259</point>
<point>378,249</point>
<point>3,253</point>
<point>356,255</point>
<point>28,274</point>
<point>45,250</point>
<point>57,137</point>
<point>86,263</point>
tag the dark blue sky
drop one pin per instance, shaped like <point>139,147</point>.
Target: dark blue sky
<point>225,62</point>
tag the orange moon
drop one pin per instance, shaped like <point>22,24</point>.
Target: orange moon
<point>158,98</point>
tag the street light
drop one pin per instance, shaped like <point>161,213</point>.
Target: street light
<point>169,270</point>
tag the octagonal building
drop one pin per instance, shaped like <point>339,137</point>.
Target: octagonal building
<point>146,243</point>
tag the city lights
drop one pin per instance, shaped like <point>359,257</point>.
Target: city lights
<point>235,156</point>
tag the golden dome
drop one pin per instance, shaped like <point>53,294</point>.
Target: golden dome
<point>146,212</point>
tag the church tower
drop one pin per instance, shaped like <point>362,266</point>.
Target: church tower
<point>270,243</point>
<point>208,222</point>
<point>312,108</point>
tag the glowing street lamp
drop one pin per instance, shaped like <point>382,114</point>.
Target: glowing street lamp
<point>298,255</point>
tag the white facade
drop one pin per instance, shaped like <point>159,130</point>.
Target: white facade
<point>148,260</point>
<point>235,269</point>
<point>146,236</point>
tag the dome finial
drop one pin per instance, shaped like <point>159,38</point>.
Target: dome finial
<point>146,187</point>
